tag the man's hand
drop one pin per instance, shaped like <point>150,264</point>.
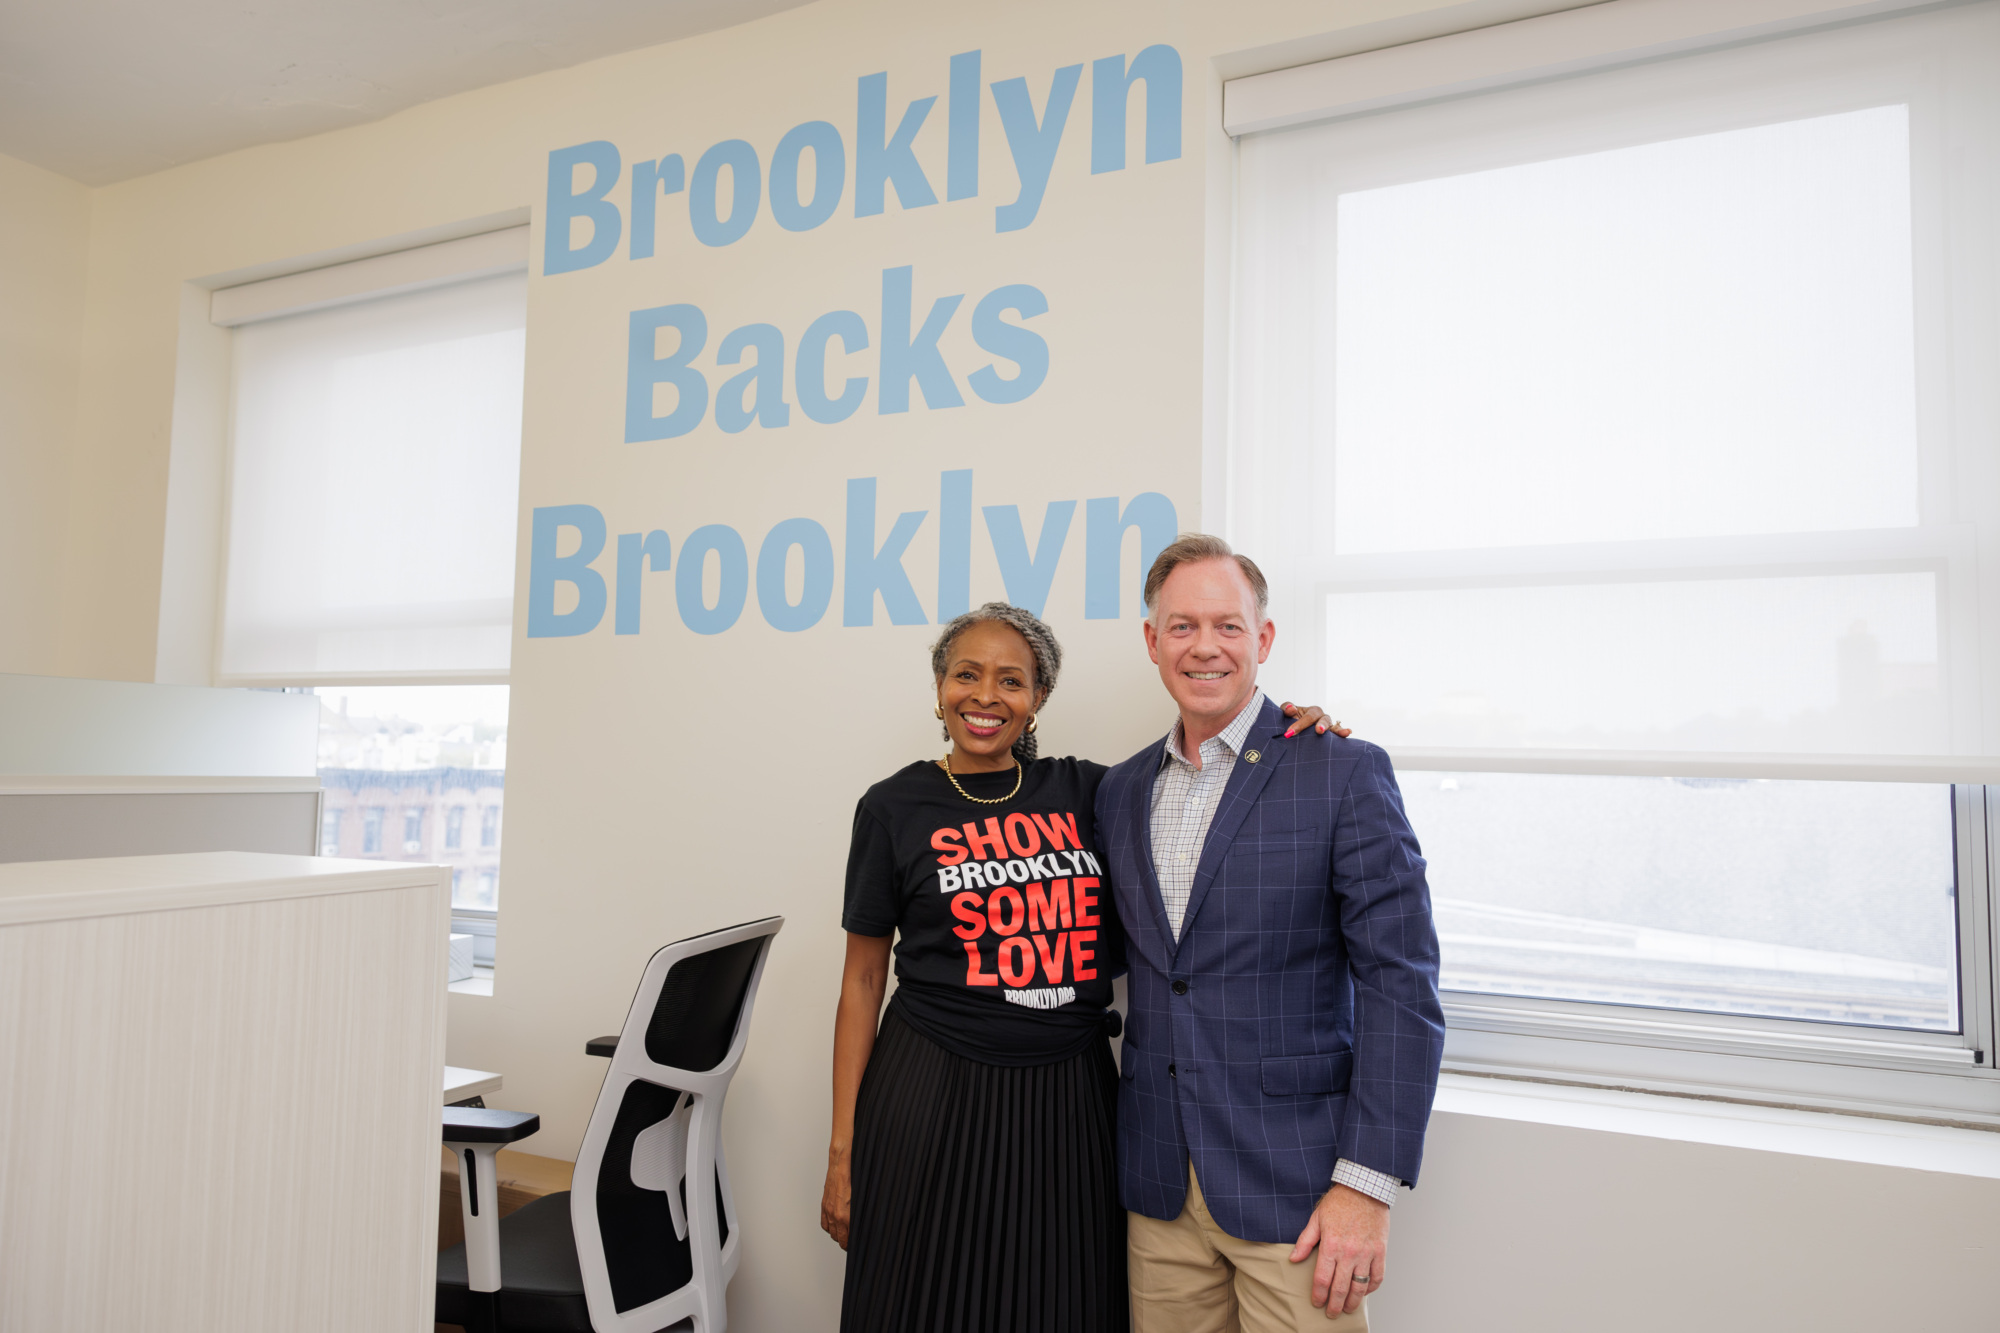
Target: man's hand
<point>1351,1232</point>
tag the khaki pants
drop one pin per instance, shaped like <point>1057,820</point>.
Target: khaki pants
<point>1191,1276</point>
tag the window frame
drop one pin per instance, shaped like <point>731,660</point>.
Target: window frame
<point>1898,1073</point>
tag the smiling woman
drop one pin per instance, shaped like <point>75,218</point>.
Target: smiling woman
<point>994,668</point>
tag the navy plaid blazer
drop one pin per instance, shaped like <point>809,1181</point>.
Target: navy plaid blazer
<point>1296,1022</point>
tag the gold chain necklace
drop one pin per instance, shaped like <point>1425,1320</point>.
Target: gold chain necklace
<point>1019,774</point>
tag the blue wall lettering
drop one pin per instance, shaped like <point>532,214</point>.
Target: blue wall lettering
<point>954,597</point>
<point>1110,86</point>
<point>961,161</point>
<point>852,331</point>
<point>734,587</point>
<point>905,358</point>
<point>758,393</point>
<point>1033,145</point>
<point>1023,347</point>
<point>566,205</point>
<point>746,187</point>
<point>880,161</point>
<point>829,175</point>
<point>816,591</point>
<point>650,180</point>
<point>869,570</point>
<point>1028,578</point>
<point>1104,544</point>
<point>635,553</point>
<point>644,368</point>
<point>546,569</point>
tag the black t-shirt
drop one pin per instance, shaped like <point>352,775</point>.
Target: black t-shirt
<point>1006,936</point>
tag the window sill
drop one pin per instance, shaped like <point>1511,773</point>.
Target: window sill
<point>479,983</point>
<point>1848,1138</point>
<point>1713,1034</point>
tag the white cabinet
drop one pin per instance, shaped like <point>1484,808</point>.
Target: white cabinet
<point>219,1080</point>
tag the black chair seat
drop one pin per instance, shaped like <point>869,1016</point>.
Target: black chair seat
<point>542,1284</point>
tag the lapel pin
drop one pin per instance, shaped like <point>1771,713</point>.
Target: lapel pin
<point>1252,756</point>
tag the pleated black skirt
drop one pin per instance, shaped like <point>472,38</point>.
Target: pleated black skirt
<point>985,1198</point>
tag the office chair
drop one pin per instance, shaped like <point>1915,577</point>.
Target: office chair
<point>630,1247</point>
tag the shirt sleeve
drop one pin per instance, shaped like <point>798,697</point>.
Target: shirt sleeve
<point>873,905</point>
<point>1377,1185</point>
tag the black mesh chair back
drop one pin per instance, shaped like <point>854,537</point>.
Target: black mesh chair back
<point>655,1247</point>
<point>700,1002</point>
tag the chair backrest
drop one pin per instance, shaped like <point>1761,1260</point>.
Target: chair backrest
<point>641,1239</point>
<point>701,1000</point>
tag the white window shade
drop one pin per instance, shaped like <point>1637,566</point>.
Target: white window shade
<point>374,483</point>
<point>1644,413</point>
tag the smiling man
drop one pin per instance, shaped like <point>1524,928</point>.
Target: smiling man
<point>1285,1032</point>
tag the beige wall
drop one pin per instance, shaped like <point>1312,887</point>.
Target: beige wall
<point>1529,1228</point>
<point>668,783</point>
<point>44,242</point>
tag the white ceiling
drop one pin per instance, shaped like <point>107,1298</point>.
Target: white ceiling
<point>103,90</point>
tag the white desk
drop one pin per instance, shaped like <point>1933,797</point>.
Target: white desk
<point>460,1084</point>
<point>221,1073</point>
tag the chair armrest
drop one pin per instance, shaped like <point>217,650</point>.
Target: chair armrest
<point>475,1134</point>
<point>603,1046</point>
<point>475,1124</point>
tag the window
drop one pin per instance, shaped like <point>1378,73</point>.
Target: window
<point>329,833</point>
<point>1806,900</point>
<point>372,504</point>
<point>430,751</point>
<point>1607,441</point>
<point>489,826</point>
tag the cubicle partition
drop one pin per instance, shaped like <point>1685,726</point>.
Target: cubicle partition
<point>92,768</point>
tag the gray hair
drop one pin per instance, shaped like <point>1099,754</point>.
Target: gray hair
<point>1192,546</point>
<point>1041,642</point>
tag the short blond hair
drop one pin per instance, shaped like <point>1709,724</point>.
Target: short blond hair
<point>1192,546</point>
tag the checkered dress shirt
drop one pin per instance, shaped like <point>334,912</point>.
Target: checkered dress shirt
<point>1184,803</point>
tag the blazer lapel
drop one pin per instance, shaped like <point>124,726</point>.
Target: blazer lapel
<point>1246,781</point>
<point>1140,808</point>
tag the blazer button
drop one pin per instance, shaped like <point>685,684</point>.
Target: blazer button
<point>1171,1072</point>
<point>1180,988</point>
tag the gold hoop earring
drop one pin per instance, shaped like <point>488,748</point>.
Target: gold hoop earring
<point>939,710</point>
<point>1034,721</point>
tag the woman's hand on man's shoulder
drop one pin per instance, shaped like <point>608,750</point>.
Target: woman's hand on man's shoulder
<point>1312,716</point>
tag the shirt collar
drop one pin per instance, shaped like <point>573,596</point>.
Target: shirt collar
<point>1231,736</point>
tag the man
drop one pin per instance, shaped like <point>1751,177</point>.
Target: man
<point>1285,1032</point>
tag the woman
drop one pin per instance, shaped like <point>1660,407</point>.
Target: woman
<point>970,1176</point>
